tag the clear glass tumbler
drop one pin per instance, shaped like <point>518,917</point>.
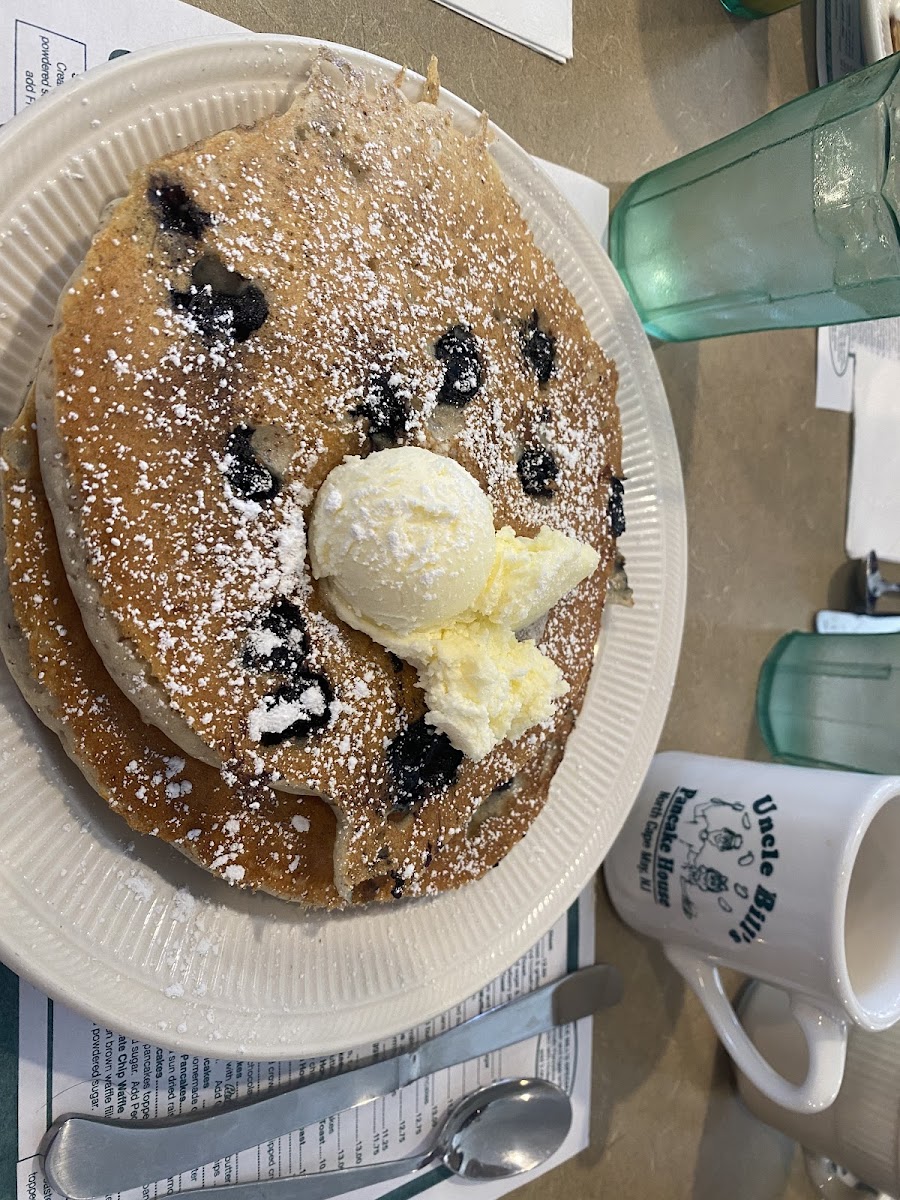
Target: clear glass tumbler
<point>833,700</point>
<point>861,1130</point>
<point>791,221</point>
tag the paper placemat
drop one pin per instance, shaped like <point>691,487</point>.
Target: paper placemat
<point>542,25</point>
<point>873,512</point>
<point>55,1062</point>
<point>858,372</point>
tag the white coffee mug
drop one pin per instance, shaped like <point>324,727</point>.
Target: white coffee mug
<point>788,874</point>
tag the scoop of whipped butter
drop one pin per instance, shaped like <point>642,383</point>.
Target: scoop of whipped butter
<point>403,543</point>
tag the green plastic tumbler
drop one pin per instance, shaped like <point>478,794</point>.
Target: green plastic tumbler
<point>833,700</point>
<point>757,8</point>
<point>791,221</point>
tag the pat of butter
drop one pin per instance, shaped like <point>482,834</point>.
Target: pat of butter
<point>529,575</point>
<point>403,545</point>
<point>483,686</point>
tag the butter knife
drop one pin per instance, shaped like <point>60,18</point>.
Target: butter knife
<point>91,1156</point>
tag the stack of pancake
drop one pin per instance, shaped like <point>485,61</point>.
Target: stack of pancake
<point>348,275</point>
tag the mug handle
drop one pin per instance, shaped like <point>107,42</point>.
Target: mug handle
<point>826,1037</point>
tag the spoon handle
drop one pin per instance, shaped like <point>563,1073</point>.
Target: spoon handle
<point>315,1187</point>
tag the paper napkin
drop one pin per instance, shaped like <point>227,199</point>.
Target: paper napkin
<point>873,515</point>
<point>542,25</point>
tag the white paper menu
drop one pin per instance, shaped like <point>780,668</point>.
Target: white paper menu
<point>68,1064</point>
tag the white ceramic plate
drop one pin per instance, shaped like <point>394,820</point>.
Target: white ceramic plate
<point>99,923</point>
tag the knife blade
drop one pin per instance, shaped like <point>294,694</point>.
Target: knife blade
<point>90,1156</point>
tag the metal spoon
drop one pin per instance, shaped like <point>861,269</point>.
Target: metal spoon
<point>504,1129</point>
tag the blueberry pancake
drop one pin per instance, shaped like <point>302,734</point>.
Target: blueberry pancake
<point>279,843</point>
<point>254,837</point>
<point>345,276</point>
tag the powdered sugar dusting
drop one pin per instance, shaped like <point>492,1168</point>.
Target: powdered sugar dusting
<point>398,230</point>
<point>140,885</point>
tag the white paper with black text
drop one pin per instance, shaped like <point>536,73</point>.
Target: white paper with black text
<point>68,1064</point>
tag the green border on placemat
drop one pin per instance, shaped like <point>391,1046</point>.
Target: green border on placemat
<point>49,1101</point>
<point>573,927</point>
<point>415,1187</point>
<point>9,1081</point>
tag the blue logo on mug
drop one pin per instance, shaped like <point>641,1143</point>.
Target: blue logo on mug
<point>693,851</point>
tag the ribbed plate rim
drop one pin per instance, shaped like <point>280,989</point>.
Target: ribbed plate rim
<point>43,946</point>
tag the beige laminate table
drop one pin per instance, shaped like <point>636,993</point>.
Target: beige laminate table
<point>765,475</point>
